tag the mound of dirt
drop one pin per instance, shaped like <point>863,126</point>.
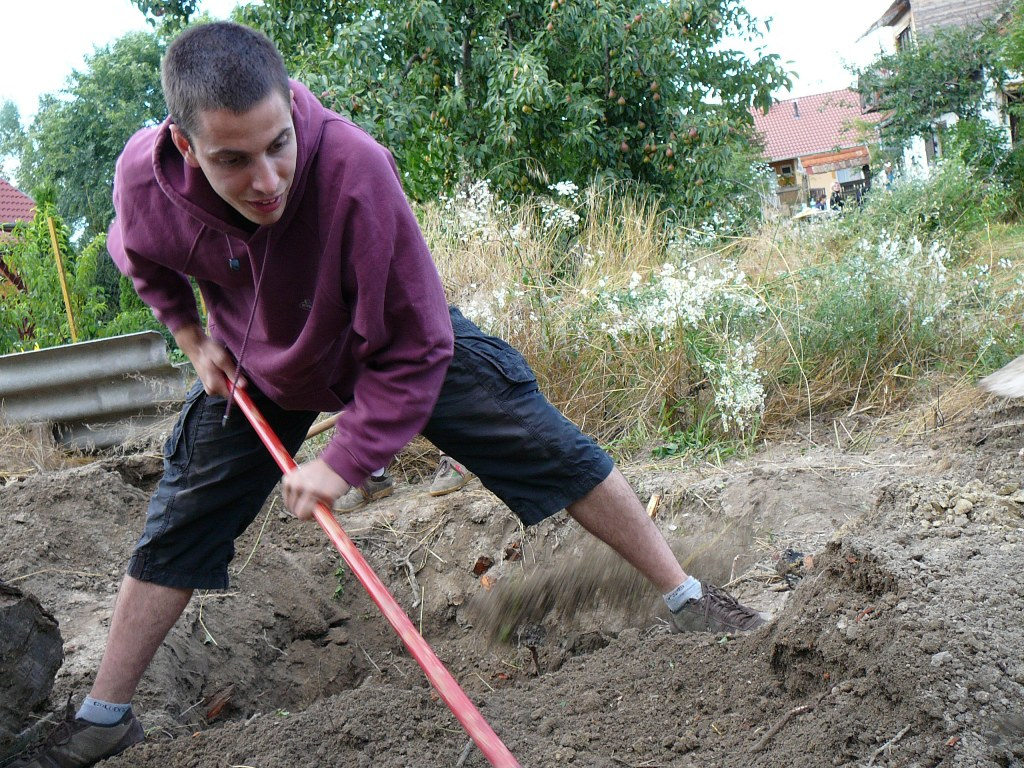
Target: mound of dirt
<point>890,563</point>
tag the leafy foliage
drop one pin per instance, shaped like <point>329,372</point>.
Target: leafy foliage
<point>158,12</point>
<point>942,73</point>
<point>1011,40</point>
<point>76,136</point>
<point>526,93</point>
<point>954,199</point>
<point>37,316</point>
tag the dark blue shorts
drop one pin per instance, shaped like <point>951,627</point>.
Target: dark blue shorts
<point>490,416</point>
<point>216,479</point>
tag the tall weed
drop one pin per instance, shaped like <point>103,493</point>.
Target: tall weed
<point>636,335</point>
<point>650,337</point>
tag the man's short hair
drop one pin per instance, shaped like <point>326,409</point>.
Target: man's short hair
<point>222,65</point>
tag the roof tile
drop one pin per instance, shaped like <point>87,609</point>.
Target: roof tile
<point>809,125</point>
<point>15,205</point>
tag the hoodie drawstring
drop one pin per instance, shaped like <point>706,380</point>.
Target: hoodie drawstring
<point>248,326</point>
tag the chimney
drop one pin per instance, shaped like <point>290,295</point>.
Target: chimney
<point>796,108</point>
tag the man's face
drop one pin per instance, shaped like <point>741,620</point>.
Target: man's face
<point>248,158</point>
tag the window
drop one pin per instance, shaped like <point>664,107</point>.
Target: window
<point>904,38</point>
<point>1014,106</point>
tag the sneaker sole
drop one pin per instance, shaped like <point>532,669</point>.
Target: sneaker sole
<point>363,501</point>
<point>453,489</point>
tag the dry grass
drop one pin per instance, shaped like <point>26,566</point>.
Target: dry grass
<point>542,278</point>
<point>28,449</point>
<point>819,351</point>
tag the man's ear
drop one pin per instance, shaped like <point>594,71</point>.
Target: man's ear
<point>184,146</point>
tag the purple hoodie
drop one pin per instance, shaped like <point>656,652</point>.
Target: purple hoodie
<point>350,312</point>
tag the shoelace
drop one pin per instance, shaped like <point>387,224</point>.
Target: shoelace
<point>62,734</point>
<point>730,607</point>
<point>445,466</point>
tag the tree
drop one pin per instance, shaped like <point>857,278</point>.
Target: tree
<point>1011,41</point>
<point>37,314</point>
<point>168,17</point>
<point>527,93</point>
<point>944,73</point>
<point>158,11</point>
<point>12,137</point>
<point>75,137</point>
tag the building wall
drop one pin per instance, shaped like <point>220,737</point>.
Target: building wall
<point>930,15</point>
<point>820,183</point>
<point>995,110</point>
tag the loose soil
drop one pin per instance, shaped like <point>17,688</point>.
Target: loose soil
<point>887,552</point>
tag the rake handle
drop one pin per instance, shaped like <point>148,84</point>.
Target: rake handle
<point>458,702</point>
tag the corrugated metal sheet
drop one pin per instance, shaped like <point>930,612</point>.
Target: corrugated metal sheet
<point>96,394</point>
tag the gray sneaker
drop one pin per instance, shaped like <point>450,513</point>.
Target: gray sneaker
<point>371,489</point>
<point>450,477</point>
<point>78,743</point>
<point>717,611</point>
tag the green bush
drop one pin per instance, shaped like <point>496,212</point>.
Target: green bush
<point>1010,172</point>
<point>38,316</point>
<point>952,200</point>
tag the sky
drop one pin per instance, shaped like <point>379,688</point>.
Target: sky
<point>818,40</point>
<point>44,40</point>
<point>51,38</point>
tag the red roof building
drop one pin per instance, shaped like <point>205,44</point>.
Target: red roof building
<point>15,206</point>
<point>814,141</point>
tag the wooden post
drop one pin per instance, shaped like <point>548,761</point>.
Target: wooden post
<point>63,280</point>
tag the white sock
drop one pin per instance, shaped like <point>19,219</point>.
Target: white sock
<point>101,712</point>
<point>684,593</point>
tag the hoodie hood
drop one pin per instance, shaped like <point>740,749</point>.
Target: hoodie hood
<point>187,188</point>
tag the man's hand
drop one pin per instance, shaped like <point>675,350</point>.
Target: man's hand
<point>210,360</point>
<point>312,482</point>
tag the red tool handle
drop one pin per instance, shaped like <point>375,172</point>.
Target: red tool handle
<point>458,702</point>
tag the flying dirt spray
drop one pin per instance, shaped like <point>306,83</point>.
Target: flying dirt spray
<point>1008,381</point>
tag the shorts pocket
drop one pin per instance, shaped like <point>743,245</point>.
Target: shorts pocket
<point>175,450</point>
<point>499,355</point>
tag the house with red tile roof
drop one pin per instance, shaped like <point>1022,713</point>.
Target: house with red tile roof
<point>15,206</point>
<point>914,20</point>
<point>815,141</point>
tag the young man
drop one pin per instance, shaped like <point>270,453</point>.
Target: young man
<point>322,295</point>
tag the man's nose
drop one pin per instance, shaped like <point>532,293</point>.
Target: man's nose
<point>265,176</point>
